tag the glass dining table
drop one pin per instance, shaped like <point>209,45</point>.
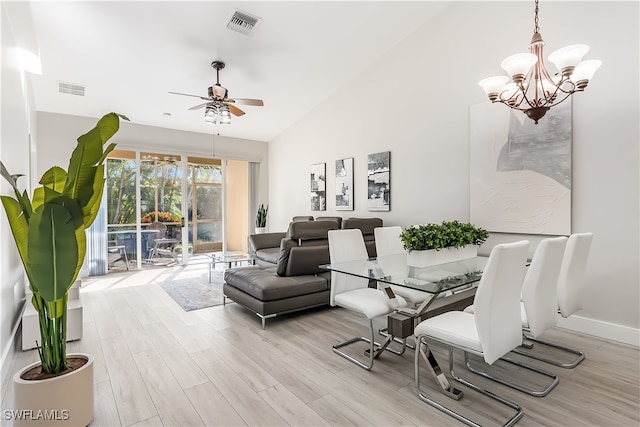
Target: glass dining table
<point>435,279</point>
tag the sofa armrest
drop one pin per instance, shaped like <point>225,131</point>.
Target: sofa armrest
<point>266,240</point>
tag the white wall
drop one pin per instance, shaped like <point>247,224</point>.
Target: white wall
<point>16,114</point>
<point>414,101</point>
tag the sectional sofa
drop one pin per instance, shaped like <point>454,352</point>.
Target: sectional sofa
<point>287,276</point>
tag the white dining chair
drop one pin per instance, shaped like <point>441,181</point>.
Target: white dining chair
<point>353,293</point>
<point>538,307</point>
<point>491,332</point>
<point>570,291</point>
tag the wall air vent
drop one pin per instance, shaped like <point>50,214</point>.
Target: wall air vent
<point>71,88</point>
<point>242,22</point>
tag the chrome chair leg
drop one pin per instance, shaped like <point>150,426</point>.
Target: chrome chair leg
<point>371,352</point>
<point>570,365</point>
<point>449,390</point>
<point>519,411</point>
<point>537,393</point>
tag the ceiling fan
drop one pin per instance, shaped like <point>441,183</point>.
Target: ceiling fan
<point>218,96</point>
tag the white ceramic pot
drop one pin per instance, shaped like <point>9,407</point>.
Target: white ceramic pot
<point>431,257</point>
<point>66,400</point>
<point>261,230</point>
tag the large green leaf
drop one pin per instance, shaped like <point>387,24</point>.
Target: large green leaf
<point>107,150</point>
<point>54,178</point>
<point>81,240</point>
<point>53,250</point>
<point>79,184</point>
<point>19,227</point>
<point>87,154</point>
<point>90,211</point>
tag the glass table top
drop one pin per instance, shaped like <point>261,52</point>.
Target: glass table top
<point>231,256</point>
<point>393,269</point>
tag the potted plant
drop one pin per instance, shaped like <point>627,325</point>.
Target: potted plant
<point>49,231</point>
<point>261,219</point>
<point>431,244</point>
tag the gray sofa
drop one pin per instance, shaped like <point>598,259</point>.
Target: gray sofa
<point>295,281</point>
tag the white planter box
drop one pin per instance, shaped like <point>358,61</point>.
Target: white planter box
<point>434,257</point>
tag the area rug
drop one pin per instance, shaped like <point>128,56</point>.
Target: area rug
<point>194,293</point>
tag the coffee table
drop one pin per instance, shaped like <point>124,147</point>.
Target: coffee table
<point>229,258</point>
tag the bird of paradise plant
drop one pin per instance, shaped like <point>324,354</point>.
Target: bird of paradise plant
<point>49,231</point>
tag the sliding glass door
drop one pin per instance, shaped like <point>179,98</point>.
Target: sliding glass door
<point>188,197</point>
<point>205,204</point>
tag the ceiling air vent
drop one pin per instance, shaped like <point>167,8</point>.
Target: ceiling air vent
<point>242,22</point>
<point>71,88</point>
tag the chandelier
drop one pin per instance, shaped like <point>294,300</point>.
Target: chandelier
<point>530,88</point>
<point>217,112</point>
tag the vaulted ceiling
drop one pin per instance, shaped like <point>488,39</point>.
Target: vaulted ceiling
<point>130,55</point>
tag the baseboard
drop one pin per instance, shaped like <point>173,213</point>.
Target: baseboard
<point>605,330</point>
<point>9,355</point>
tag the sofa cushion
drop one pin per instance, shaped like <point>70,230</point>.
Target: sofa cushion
<point>311,230</point>
<point>265,240</point>
<point>336,219</point>
<point>264,284</point>
<point>304,234</point>
<point>269,254</point>
<point>366,225</point>
<point>307,259</point>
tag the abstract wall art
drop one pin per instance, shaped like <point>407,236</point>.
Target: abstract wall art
<point>520,172</point>
<point>318,187</point>
<point>378,182</point>
<point>344,184</point>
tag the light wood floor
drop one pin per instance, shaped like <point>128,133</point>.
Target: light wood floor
<point>158,365</point>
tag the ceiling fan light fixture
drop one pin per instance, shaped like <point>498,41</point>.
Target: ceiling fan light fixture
<point>210,114</point>
<point>218,106</point>
<point>224,115</point>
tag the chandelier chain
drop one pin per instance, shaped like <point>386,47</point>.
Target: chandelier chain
<point>536,29</point>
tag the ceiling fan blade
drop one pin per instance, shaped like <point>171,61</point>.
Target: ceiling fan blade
<point>247,101</point>
<point>186,94</point>
<point>235,110</point>
<point>199,106</point>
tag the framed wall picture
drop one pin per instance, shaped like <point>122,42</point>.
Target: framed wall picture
<point>520,171</point>
<point>344,184</point>
<point>378,182</point>
<point>318,187</point>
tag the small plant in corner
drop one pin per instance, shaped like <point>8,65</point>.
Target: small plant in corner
<point>261,217</point>
<point>439,236</point>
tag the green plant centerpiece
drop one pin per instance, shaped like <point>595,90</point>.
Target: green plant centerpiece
<point>49,231</point>
<point>261,217</point>
<point>441,238</point>
<point>438,236</point>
